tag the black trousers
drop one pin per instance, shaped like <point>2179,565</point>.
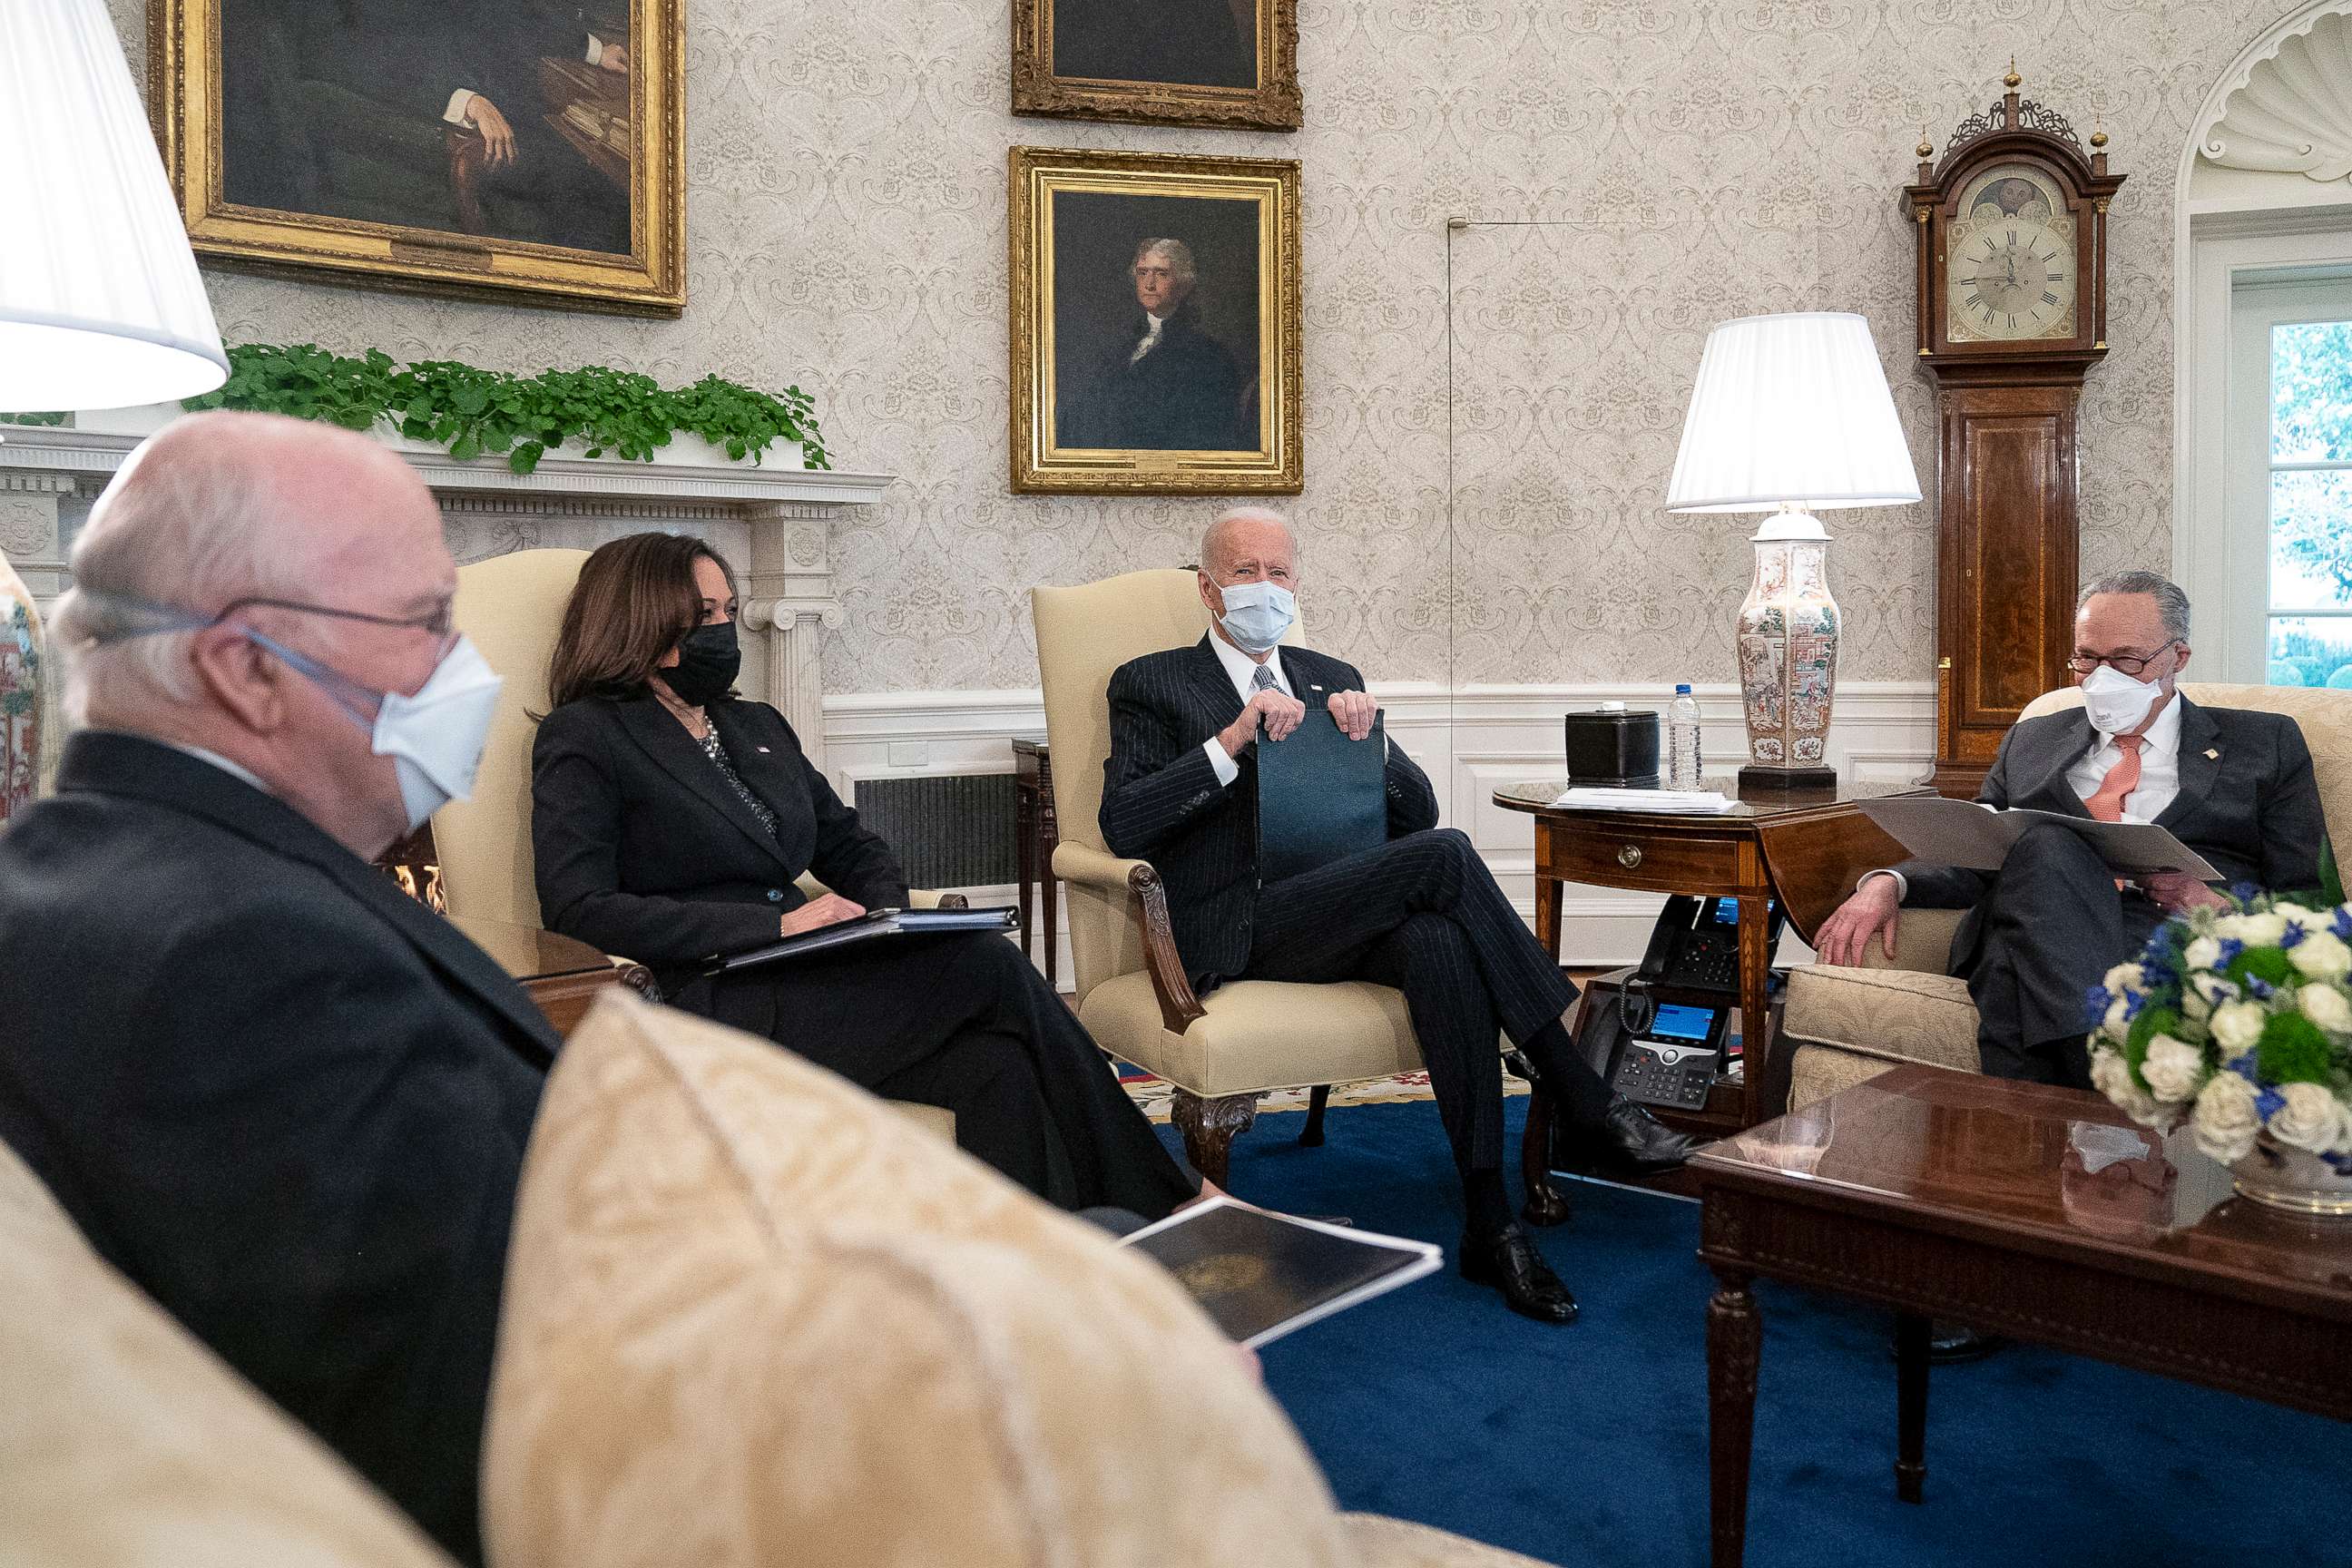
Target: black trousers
<point>965,1023</point>
<point>1422,913</point>
<point>2049,929</point>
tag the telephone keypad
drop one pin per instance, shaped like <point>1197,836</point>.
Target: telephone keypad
<point>1658,1074</point>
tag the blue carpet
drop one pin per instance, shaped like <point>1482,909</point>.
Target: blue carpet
<point>1587,1445</point>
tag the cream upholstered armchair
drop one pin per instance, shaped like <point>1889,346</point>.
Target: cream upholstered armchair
<point>1847,1024</point>
<point>1224,1051</point>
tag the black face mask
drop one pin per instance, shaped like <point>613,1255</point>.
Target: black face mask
<point>708,662</point>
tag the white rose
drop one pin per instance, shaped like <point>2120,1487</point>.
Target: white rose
<point>2118,1023</point>
<point>2212,990</point>
<point>2255,929</point>
<point>2171,1068</point>
<point>2204,952</point>
<point>2312,1119</point>
<point>2321,955</point>
<point>2235,1027</point>
<point>2326,1007</point>
<point>2124,977</point>
<point>2291,911</point>
<point>2224,1121</point>
<point>2111,1076</point>
<point>2193,1006</point>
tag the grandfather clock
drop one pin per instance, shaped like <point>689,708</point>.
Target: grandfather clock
<point>2012,228</point>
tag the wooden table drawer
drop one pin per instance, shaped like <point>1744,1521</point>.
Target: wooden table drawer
<point>1645,859</point>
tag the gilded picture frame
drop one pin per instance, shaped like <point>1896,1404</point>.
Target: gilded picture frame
<point>1095,59</point>
<point>539,156</point>
<point>1154,324</point>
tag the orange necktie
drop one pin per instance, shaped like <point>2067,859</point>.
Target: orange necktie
<point>2106,803</point>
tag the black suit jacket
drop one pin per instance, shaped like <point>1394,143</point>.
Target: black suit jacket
<point>641,848</point>
<point>285,1100</point>
<point>2248,801</point>
<point>1184,395</point>
<point>1162,801</point>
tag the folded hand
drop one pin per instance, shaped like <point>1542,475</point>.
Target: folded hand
<point>1354,713</point>
<point>825,910</point>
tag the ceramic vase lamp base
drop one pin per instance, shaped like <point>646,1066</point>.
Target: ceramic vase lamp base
<point>20,694</point>
<point>1788,643</point>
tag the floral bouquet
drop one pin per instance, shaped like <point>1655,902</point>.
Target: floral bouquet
<point>2238,1018</point>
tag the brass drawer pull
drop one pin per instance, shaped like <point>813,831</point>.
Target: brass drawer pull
<point>1629,856</point>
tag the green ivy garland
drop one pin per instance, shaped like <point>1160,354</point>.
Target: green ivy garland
<point>470,411</point>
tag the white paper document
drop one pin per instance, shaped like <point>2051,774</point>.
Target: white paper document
<point>1977,839</point>
<point>1683,802</point>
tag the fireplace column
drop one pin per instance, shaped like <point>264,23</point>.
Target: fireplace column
<point>790,601</point>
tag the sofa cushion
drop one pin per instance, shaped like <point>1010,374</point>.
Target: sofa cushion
<point>1393,1544</point>
<point>124,1443</point>
<point>753,1316</point>
<point>1259,1034</point>
<point>1896,1014</point>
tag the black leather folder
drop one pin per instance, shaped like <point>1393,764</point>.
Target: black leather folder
<point>1320,797</point>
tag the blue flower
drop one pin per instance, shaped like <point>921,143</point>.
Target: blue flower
<point>2344,924</point>
<point>2245,893</point>
<point>2231,948</point>
<point>2243,1066</point>
<point>2262,989</point>
<point>2095,1001</point>
<point>2294,933</point>
<point>2132,1002</point>
<point>2268,1102</point>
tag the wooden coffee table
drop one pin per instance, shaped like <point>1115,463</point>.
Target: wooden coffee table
<point>2037,1213</point>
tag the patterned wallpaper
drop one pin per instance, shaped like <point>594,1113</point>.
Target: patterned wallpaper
<point>1690,160</point>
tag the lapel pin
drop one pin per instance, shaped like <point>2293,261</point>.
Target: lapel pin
<point>764,751</point>
<point>1312,687</point>
<point>2212,753</point>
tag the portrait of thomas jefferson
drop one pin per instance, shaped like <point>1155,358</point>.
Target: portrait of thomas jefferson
<point>1162,381</point>
<point>1196,43</point>
<point>507,118</point>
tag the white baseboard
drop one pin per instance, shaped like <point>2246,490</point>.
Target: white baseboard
<point>1470,742</point>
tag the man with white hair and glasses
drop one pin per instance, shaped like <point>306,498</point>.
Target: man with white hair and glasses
<point>2233,784</point>
<point>287,1101</point>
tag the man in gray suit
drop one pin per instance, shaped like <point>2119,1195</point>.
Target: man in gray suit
<point>2233,784</point>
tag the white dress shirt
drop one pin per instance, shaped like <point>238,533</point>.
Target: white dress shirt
<point>234,770</point>
<point>1242,670</point>
<point>1150,336</point>
<point>2159,777</point>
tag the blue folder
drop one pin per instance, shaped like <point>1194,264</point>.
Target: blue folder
<point>1320,797</point>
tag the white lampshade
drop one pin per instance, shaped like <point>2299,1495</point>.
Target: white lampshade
<point>1791,411</point>
<point>100,305</point>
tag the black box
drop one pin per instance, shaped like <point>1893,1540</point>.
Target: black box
<point>1613,748</point>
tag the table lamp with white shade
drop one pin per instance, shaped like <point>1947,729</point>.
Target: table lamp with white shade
<point>1791,415</point>
<point>101,304</point>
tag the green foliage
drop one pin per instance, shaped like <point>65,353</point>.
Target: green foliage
<point>2293,1049</point>
<point>470,412</point>
<point>2146,1026</point>
<point>33,418</point>
<point>2268,964</point>
<point>2341,681</point>
<point>2311,421</point>
<point>2283,672</point>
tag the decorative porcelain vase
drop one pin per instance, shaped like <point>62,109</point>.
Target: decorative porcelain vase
<point>21,674</point>
<point>2289,1179</point>
<point>1788,654</point>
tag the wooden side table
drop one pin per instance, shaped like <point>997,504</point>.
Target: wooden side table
<point>1034,837</point>
<point>1805,850</point>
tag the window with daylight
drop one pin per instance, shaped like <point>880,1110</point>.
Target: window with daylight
<point>2296,344</point>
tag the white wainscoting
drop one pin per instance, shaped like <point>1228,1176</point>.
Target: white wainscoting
<point>1470,742</point>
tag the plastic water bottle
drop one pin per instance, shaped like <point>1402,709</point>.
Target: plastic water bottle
<point>1682,739</point>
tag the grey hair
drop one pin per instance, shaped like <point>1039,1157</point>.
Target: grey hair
<point>2171,603</point>
<point>1211,557</point>
<point>1178,254</point>
<point>191,528</point>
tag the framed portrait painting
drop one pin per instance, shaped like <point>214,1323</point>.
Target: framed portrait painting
<point>486,147</point>
<point>1159,62</point>
<point>1155,323</point>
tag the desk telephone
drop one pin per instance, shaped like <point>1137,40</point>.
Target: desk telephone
<point>1670,1052</point>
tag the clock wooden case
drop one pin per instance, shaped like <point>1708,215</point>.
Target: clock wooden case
<point>2012,226</point>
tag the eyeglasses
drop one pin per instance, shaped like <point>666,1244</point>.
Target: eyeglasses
<point>2122,663</point>
<point>441,620</point>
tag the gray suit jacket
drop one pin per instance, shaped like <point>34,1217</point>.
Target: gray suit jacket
<point>2248,801</point>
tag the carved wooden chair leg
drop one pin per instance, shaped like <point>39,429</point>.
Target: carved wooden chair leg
<point>1316,1100</point>
<point>1210,1127</point>
<point>1546,1204</point>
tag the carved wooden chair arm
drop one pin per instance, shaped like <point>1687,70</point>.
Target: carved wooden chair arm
<point>1093,868</point>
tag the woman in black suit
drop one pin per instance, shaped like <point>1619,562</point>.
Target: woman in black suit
<point>669,820</point>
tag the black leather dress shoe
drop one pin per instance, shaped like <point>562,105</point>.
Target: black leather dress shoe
<point>1632,1140</point>
<point>1510,1262</point>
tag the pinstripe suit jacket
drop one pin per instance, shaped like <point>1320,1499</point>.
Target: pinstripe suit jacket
<point>1162,801</point>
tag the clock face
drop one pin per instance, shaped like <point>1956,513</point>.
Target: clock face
<point>2009,259</point>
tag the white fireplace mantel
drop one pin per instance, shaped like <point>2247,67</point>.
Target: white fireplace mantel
<point>770,521</point>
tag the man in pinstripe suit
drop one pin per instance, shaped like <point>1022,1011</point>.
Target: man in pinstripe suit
<point>1421,912</point>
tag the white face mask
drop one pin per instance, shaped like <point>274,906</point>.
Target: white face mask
<point>2115,702</point>
<point>1256,614</point>
<point>435,738</point>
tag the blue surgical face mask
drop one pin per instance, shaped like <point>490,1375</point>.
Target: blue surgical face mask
<point>1256,614</point>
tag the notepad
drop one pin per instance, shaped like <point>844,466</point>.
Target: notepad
<point>1261,1275</point>
<point>868,927</point>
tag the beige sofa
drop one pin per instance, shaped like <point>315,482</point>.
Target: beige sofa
<point>752,1318</point>
<point>1849,1025</point>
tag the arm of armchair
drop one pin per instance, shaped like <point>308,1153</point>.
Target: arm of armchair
<point>1923,941</point>
<point>1094,868</point>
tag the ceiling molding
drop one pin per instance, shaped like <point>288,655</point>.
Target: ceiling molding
<point>2288,108</point>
